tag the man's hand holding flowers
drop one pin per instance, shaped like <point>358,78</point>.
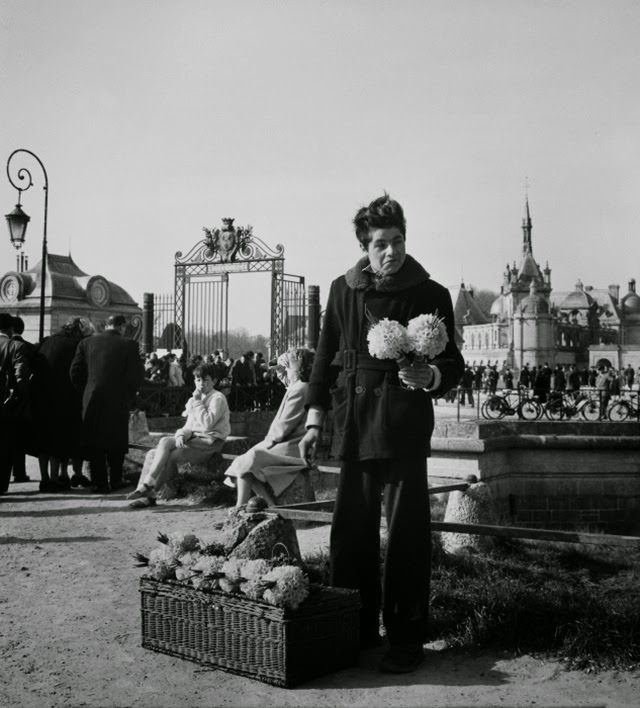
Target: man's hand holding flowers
<point>417,375</point>
<point>422,339</point>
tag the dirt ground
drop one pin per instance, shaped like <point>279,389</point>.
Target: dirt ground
<point>70,627</point>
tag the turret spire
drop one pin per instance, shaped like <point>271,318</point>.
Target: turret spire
<point>526,229</point>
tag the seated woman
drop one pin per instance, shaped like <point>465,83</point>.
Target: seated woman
<point>269,467</point>
<point>206,428</point>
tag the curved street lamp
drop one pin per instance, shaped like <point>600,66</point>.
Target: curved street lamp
<point>17,220</point>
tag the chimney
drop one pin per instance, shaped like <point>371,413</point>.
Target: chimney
<point>632,285</point>
<point>614,291</point>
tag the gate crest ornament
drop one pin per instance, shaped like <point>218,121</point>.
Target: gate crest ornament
<point>228,241</point>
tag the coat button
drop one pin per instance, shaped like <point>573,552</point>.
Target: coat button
<point>359,389</point>
<point>377,391</point>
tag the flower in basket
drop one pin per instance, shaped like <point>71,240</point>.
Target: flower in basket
<point>180,544</point>
<point>207,572</point>
<point>161,564</point>
<point>289,586</point>
<point>185,563</point>
<point>232,570</point>
<point>253,571</point>
<point>427,336</point>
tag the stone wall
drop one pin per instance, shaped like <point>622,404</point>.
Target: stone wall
<point>547,474</point>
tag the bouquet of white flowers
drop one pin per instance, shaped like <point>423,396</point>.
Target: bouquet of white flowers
<point>424,337</point>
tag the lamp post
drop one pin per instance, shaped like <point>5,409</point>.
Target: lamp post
<point>17,220</point>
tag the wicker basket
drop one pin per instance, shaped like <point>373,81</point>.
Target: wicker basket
<point>243,636</point>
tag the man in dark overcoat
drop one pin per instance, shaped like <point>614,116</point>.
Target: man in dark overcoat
<point>382,424</point>
<point>23,432</point>
<point>107,370</point>
<point>14,396</point>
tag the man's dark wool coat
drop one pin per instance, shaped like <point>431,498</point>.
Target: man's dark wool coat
<point>374,416</point>
<point>108,371</point>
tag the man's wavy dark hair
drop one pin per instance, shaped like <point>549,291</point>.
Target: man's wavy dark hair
<point>382,213</point>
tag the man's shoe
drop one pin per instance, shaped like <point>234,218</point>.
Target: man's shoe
<point>402,659</point>
<point>21,479</point>
<point>143,503</point>
<point>79,480</point>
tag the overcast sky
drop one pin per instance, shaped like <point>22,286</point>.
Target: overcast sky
<point>156,118</point>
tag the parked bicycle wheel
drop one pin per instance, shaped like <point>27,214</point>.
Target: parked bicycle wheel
<point>494,408</point>
<point>619,411</point>
<point>554,410</point>
<point>591,409</point>
<point>529,409</point>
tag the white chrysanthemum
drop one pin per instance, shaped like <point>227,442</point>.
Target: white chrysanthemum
<point>387,339</point>
<point>256,568</point>
<point>162,564</point>
<point>290,589</point>
<point>427,336</point>
<point>180,544</point>
<point>186,561</point>
<point>209,565</point>
<point>232,570</point>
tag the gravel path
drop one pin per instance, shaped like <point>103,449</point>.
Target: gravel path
<point>70,627</point>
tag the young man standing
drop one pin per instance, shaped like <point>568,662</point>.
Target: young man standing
<point>382,425</point>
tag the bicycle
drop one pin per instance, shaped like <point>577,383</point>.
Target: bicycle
<point>499,405</point>
<point>563,405</point>
<point>624,408</point>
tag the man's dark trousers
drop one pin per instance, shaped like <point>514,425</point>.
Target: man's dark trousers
<point>355,545</point>
<point>99,458</point>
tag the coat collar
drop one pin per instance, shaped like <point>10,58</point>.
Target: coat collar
<point>411,273</point>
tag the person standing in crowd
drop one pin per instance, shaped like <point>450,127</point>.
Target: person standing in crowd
<point>542,382</point>
<point>19,467</point>
<point>603,385</point>
<point>175,372</point>
<point>525,378</point>
<point>383,419</point>
<point>559,379</point>
<point>466,386</point>
<point>243,381</point>
<point>574,381</point>
<point>629,376</point>
<point>107,371</point>
<point>507,378</point>
<point>14,396</point>
<point>57,408</point>
<point>203,434</point>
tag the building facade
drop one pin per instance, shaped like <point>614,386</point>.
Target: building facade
<point>530,323</point>
<point>69,292</point>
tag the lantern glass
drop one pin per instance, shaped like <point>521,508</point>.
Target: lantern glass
<point>17,222</point>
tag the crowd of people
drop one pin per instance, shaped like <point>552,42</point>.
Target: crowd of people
<point>249,382</point>
<point>67,400</point>
<point>542,380</point>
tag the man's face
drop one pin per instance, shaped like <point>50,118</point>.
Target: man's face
<point>386,250</point>
<point>205,385</point>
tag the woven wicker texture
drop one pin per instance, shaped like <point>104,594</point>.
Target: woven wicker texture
<point>233,633</point>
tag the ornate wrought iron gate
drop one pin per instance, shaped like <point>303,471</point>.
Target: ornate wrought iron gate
<point>202,290</point>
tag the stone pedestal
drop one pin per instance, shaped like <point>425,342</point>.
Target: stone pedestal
<point>473,506</point>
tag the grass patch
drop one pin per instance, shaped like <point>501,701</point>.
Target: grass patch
<point>576,603</point>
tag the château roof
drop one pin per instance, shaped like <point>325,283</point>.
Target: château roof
<point>465,309</point>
